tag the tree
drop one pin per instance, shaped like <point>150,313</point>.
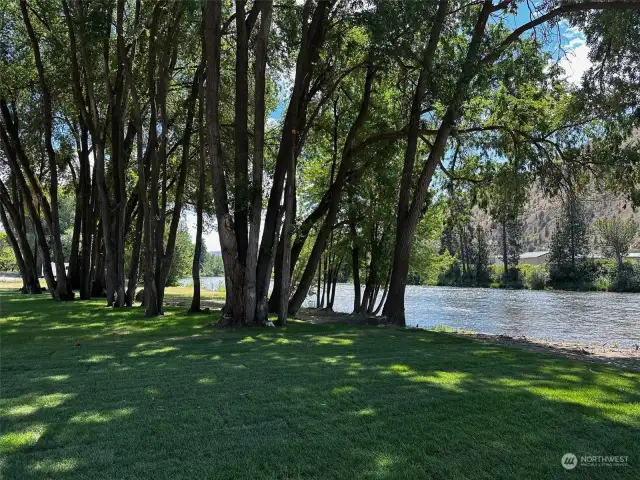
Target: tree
<point>615,235</point>
<point>507,209</point>
<point>486,45</point>
<point>569,242</point>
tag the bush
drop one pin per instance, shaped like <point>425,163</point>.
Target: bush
<point>535,276</point>
<point>588,274</point>
<point>602,284</point>
<point>626,279</point>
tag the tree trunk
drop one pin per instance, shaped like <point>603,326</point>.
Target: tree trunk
<point>286,235</point>
<point>384,295</point>
<point>22,267</point>
<point>197,253</point>
<point>74,268</point>
<point>135,259</point>
<point>41,239</point>
<point>319,269</point>
<point>98,277</point>
<point>355,267</point>
<point>250,288</point>
<point>18,238</point>
<point>327,226</point>
<point>314,33</point>
<point>64,291</point>
<point>409,215</point>
<point>336,270</point>
<point>505,257</point>
<point>274,298</point>
<point>234,271</point>
<point>87,217</point>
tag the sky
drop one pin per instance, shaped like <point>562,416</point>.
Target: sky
<point>574,60</point>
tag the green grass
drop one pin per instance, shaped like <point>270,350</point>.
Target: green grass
<point>167,398</point>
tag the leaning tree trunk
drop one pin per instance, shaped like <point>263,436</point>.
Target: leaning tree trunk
<point>11,155</point>
<point>409,215</point>
<point>64,291</point>
<point>314,34</point>
<point>286,235</point>
<point>22,267</point>
<point>18,239</point>
<point>327,226</point>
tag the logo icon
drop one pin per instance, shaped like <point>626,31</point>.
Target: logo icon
<point>569,461</point>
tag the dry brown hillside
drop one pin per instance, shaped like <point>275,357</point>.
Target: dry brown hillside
<point>541,213</point>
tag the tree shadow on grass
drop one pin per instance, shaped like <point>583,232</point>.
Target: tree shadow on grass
<point>307,402</point>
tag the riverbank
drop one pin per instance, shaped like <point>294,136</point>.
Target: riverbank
<point>95,392</point>
<point>628,358</point>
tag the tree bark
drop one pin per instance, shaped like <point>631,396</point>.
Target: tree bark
<point>18,239</point>
<point>355,267</point>
<point>251,264</point>
<point>22,267</point>
<point>197,253</point>
<point>167,257</point>
<point>286,235</point>
<point>132,277</point>
<point>41,239</point>
<point>234,272</point>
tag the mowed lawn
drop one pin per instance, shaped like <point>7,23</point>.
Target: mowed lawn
<point>169,398</point>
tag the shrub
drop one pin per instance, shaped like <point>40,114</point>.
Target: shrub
<point>626,279</point>
<point>535,277</point>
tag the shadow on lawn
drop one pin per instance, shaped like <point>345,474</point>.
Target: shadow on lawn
<point>308,402</point>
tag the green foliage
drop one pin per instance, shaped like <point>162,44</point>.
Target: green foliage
<point>7,258</point>
<point>535,277</point>
<point>615,235</point>
<point>212,266</point>
<point>627,278</point>
<point>182,257</point>
<point>569,242</point>
<point>427,263</point>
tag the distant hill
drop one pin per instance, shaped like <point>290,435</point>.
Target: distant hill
<point>215,253</point>
<point>541,213</point>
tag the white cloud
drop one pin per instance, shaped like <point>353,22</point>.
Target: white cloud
<point>576,62</point>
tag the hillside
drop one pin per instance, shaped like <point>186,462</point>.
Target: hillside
<point>541,213</point>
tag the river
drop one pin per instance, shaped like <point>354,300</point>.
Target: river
<point>588,317</point>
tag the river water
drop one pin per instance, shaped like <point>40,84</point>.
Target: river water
<point>589,317</point>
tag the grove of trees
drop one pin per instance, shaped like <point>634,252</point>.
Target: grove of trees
<point>322,136</point>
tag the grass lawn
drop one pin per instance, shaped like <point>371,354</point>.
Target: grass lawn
<point>167,398</point>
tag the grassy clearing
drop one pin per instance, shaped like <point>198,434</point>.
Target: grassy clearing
<point>147,399</point>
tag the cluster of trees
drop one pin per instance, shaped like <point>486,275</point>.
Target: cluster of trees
<point>572,243</point>
<point>579,250</point>
<point>312,131</point>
